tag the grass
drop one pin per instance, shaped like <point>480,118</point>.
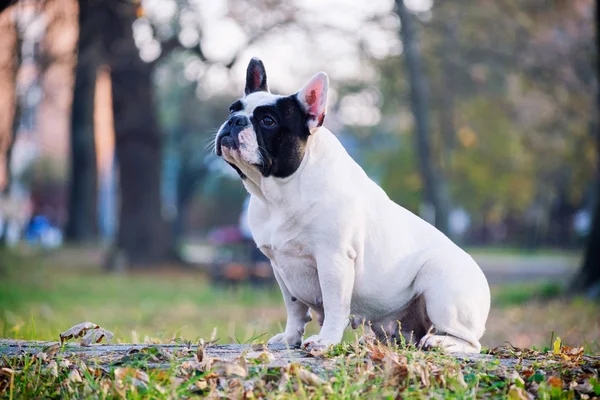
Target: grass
<point>518,294</point>
<point>41,296</point>
<point>38,301</point>
<point>369,370</point>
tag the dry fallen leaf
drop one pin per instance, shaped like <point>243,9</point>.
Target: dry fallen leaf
<point>201,384</point>
<point>77,330</point>
<point>461,379</point>
<point>74,376</point>
<point>200,351</point>
<point>259,347</point>
<point>424,373</point>
<point>138,377</point>
<point>585,387</point>
<point>514,376</point>
<point>91,333</point>
<point>229,369</point>
<point>555,381</point>
<point>310,378</point>
<point>95,336</point>
<point>51,368</point>
<point>285,378</point>
<point>266,357</point>
<point>52,349</point>
<point>318,352</point>
<point>377,355</point>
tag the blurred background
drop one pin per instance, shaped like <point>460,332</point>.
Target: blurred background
<point>481,116</point>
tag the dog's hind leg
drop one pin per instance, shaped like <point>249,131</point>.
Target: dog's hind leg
<point>457,300</point>
<point>406,326</point>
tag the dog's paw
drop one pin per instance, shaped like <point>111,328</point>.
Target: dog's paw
<point>317,342</point>
<point>449,344</point>
<point>284,338</point>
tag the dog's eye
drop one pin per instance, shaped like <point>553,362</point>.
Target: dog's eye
<point>268,121</point>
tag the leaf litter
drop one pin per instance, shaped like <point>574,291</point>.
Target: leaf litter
<point>369,369</point>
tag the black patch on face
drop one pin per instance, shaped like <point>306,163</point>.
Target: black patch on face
<point>283,144</point>
<point>236,106</point>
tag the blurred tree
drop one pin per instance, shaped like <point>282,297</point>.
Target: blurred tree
<point>588,278</point>
<point>54,55</point>
<point>436,194</point>
<point>142,237</point>
<point>559,39</point>
<point>508,89</point>
<point>8,72</point>
<point>82,216</point>
<point>191,123</point>
<point>188,121</point>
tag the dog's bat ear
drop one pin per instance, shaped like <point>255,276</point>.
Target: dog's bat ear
<point>313,98</point>
<point>256,77</point>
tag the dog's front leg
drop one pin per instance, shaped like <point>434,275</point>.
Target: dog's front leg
<point>336,277</point>
<point>298,315</point>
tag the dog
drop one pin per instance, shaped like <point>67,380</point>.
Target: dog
<point>339,247</point>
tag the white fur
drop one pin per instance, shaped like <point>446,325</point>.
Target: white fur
<point>249,146</point>
<point>256,99</point>
<point>341,247</point>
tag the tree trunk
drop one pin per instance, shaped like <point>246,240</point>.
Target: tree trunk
<point>142,235</point>
<point>8,72</point>
<point>82,213</point>
<point>588,277</point>
<point>449,53</point>
<point>435,193</point>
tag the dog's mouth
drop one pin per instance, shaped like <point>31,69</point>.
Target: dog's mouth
<point>226,140</point>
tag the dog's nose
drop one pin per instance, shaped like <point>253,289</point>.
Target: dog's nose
<point>239,121</point>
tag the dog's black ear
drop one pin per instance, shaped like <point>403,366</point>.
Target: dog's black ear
<point>256,77</point>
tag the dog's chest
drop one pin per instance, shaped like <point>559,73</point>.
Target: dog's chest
<point>286,242</point>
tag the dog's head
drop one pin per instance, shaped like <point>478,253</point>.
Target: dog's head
<point>269,132</point>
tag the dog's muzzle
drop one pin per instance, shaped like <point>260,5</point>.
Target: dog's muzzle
<point>228,136</point>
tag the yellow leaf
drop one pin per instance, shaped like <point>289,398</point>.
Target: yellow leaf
<point>556,346</point>
<point>517,393</point>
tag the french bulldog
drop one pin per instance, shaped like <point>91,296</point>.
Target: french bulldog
<point>339,247</point>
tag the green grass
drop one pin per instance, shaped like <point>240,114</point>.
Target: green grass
<point>38,301</point>
<point>354,371</point>
<point>521,293</point>
<point>41,297</point>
